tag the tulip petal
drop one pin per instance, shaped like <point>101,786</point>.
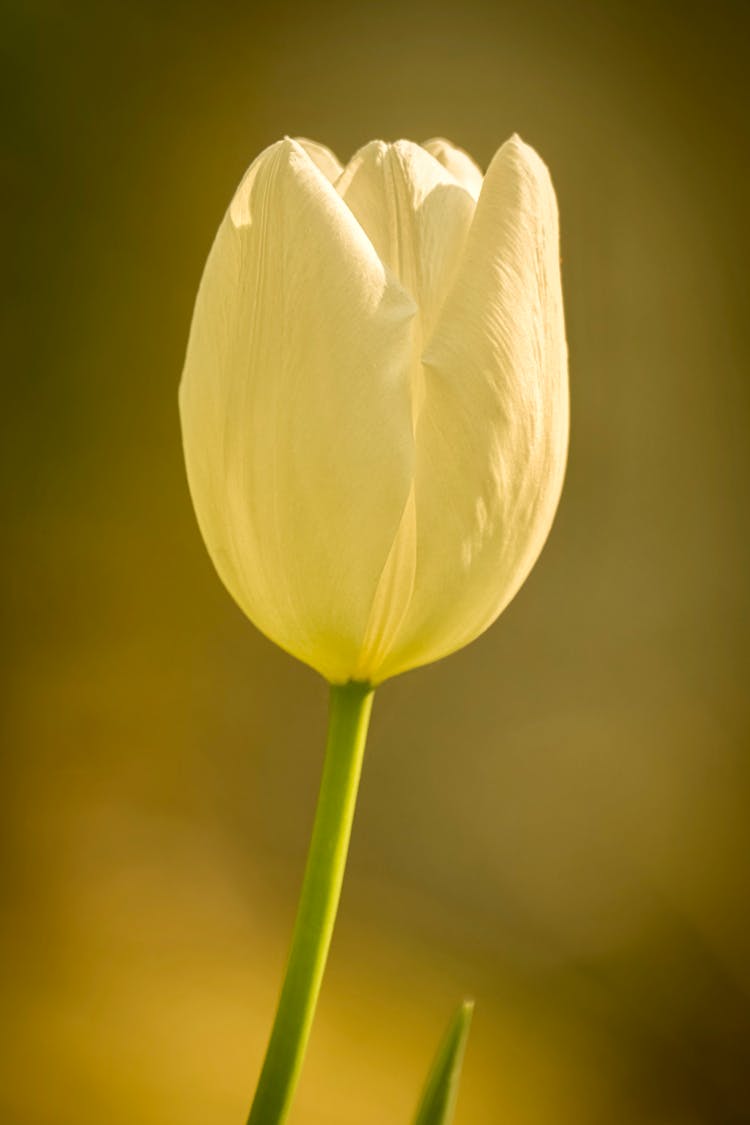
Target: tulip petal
<point>493,430</point>
<point>416,215</point>
<point>458,163</point>
<point>296,411</point>
<point>327,162</point>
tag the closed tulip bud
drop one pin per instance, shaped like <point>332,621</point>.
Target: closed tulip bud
<point>374,402</point>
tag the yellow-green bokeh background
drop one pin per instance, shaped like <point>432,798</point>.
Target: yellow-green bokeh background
<point>554,820</point>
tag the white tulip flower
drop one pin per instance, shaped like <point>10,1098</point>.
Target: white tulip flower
<point>374,401</point>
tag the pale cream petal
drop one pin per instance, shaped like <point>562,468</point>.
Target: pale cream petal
<point>415,214</point>
<point>392,597</point>
<point>493,431</point>
<point>296,411</point>
<point>459,163</point>
<point>417,218</point>
<point>327,161</point>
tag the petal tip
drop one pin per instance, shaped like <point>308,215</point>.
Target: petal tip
<point>322,157</point>
<point>517,150</point>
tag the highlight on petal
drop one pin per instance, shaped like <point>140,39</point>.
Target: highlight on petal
<point>296,410</point>
<point>493,431</point>
<point>459,163</point>
<point>327,162</point>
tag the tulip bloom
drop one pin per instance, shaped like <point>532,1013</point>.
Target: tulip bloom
<point>374,401</point>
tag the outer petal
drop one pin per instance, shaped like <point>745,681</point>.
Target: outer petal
<point>327,162</point>
<point>296,412</point>
<point>458,163</point>
<point>493,432</point>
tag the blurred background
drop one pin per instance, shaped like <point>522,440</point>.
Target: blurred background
<point>555,820</point>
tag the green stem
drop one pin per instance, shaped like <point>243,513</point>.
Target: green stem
<point>348,719</point>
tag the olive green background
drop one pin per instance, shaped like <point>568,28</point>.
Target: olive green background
<point>555,820</point>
